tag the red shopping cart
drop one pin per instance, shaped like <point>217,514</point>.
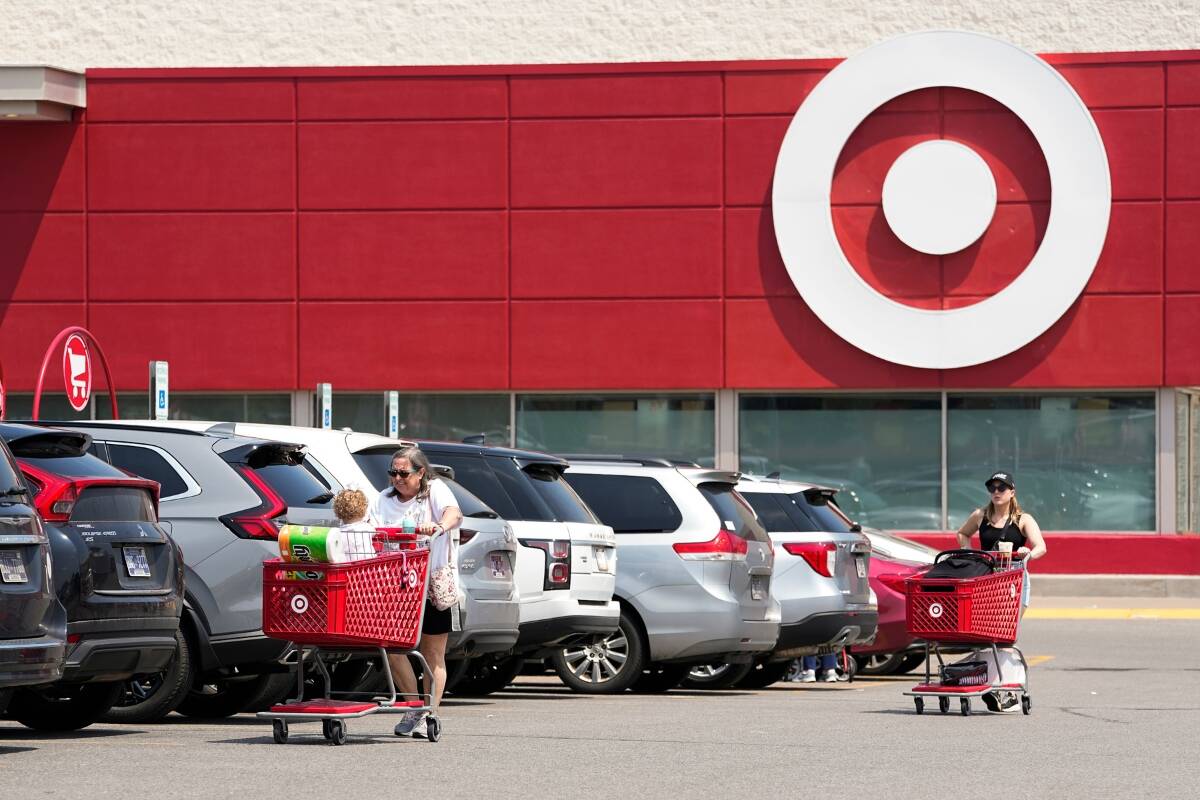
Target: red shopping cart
<point>327,610</point>
<point>967,612</point>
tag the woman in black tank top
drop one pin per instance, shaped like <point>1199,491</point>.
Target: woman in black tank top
<point>1002,520</point>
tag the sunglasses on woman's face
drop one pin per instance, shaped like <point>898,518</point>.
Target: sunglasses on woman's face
<point>402,473</point>
<point>996,487</point>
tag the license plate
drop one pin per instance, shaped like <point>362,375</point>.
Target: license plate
<point>758,588</point>
<point>12,567</point>
<point>860,564</point>
<point>136,563</point>
<point>602,559</point>
<point>499,566</point>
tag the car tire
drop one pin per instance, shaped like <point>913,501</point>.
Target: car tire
<point>225,698</point>
<point>486,676</point>
<point>149,698</point>
<point>590,669</point>
<point>910,662</point>
<point>456,670</point>
<point>879,663</point>
<point>715,676</point>
<point>659,678</point>
<point>63,707</point>
<point>764,673</point>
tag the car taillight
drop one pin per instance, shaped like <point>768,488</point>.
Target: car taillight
<point>465,535</point>
<point>893,581</point>
<point>558,561</point>
<point>259,522</point>
<point>724,547</point>
<point>54,495</point>
<point>819,555</point>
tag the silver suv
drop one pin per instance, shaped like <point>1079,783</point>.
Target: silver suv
<point>695,577</point>
<point>822,563</point>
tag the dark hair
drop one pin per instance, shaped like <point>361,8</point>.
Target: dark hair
<point>418,461</point>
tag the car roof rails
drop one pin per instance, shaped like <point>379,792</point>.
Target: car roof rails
<point>478,438</point>
<point>645,461</point>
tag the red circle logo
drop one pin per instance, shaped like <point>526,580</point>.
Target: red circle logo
<point>77,372</point>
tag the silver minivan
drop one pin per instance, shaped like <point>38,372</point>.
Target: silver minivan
<point>695,577</point>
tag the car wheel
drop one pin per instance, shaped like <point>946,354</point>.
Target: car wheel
<point>63,707</point>
<point>659,678</point>
<point>456,670</point>
<point>879,663</point>
<point>225,698</point>
<point>716,676</point>
<point>764,673</point>
<point>605,666</point>
<point>149,698</point>
<point>484,677</point>
<point>911,661</point>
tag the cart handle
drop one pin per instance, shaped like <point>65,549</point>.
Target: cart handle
<point>982,555</point>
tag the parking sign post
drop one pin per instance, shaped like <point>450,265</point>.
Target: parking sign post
<point>159,399</point>
<point>392,403</point>
<point>325,405</point>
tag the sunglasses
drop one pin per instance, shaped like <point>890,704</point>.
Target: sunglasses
<point>997,487</point>
<point>402,473</point>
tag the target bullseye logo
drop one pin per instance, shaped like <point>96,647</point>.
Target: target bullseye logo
<point>299,604</point>
<point>935,610</point>
<point>939,197</point>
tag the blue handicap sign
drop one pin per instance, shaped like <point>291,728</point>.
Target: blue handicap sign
<point>325,416</point>
<point>162,398</point>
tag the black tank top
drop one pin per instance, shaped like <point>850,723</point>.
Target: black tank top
<point>990,536</point>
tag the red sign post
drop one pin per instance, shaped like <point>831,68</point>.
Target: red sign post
<point>77,346</point>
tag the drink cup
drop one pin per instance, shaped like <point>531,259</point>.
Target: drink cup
<point>1005,554</point>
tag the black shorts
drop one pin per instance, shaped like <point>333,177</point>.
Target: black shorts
<point>435,621</point>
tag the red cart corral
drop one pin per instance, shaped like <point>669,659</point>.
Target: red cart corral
<point>376,603</point>
<point>969,611</point>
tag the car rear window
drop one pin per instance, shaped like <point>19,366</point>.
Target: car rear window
<point>778,513</point>
<point>628,504</point>
<point>374,464</point>
<point>77,466</point>
<point>822,510</point>
<point>735,513</point>
<point>147,463</point>
<point>477,477</point>
<point>296,485</point>
<point>468,503</point>
<point>556,493</point>
<point>114,504</point>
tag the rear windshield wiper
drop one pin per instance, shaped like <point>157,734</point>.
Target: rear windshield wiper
<point>323,497</point>
<point>483,515</point>
<point>15,491</point>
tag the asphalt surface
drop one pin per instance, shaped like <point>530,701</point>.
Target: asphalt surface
<point>1116,714</point>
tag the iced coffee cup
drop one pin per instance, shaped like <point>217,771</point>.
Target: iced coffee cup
<point>1004,553</point>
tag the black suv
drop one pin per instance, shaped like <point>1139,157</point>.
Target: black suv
<point>115,570</point>
<point>33,623</point>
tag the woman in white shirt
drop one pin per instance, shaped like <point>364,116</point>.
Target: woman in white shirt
<point>417,496</point>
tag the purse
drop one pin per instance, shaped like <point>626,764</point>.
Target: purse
<point>444,587</point>
<point>965,673</point>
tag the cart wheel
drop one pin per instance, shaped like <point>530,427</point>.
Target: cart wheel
<point>964,705</point>
<point>279,731</point>
<point>337,731</point>
<point>433,728</point>
<point>919,702</point>
<point>944,704</point>
<point>1026,704</point>
<point>327,728</point>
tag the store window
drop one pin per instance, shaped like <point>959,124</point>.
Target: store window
<point>677,426</point>
<point>445,417</point>
<point>1082,462</point>
<point>274,409</point>
<point>882,453</point>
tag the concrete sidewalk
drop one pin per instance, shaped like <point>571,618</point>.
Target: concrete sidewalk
<point>1145,587</point>
<point>1114,608</point>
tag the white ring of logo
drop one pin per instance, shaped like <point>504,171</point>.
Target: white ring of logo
<point>935,610</point>
<point>299,604</point>
<point>1039,296</point>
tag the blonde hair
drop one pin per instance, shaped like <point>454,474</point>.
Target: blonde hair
<point>1014,510</point>
<point>350,505</point>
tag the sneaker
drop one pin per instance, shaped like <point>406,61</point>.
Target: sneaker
<point>808,676</point>
<point>830,676</point>
<point>991,702</point>
<point>1009,702</point>
<point>408,722</point>
<point>421,729</point>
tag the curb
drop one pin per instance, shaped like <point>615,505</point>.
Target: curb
<point>1115,585</point>
<point>1113,613</point>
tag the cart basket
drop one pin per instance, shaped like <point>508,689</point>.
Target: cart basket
<point>981,609</point>
<point>375,602</point>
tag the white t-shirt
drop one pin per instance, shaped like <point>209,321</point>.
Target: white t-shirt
<point>387,510</point>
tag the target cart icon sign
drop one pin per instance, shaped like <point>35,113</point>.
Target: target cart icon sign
<point>939,197</point>
<point>299,604</point>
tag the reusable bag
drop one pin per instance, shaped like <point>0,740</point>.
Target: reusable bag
<point>443,581</point>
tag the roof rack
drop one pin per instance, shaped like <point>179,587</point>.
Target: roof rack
<point>645,461</point>
<point>129,425</point>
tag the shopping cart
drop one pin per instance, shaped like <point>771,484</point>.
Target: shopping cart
<point>958,613</point>
<point>374,604</point>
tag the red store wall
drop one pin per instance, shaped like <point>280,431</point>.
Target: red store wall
<point>598,227</point>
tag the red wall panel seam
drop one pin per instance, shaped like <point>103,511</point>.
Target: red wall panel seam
<point>508,266</point>
<point>724,245</point>
<point>296,230</point>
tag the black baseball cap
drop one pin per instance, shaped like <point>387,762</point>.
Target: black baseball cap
<point>1004,477</point>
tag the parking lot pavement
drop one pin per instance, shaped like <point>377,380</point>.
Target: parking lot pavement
<point>1116,714</point>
